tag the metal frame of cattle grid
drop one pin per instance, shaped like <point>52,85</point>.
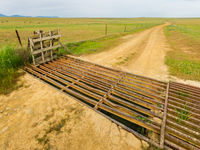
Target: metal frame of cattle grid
<point>167,112</point>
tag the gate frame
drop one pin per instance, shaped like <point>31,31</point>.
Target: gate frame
<point>50,50</point>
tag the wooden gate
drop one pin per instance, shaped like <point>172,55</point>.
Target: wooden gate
<point>44,46</point>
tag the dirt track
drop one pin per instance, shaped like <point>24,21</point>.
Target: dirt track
<point>143,54</point>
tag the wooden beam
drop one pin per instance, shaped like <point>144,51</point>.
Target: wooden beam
<point>46,49</point>
<point>46,38</point>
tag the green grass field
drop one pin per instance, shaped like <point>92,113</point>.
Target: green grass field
<point>72,30</point>
<point>184,38</point>
<point>11,60</point>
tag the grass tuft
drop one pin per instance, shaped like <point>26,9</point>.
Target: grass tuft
<point>10,60</point>
<point>183,114</point>
<point>187,69</point>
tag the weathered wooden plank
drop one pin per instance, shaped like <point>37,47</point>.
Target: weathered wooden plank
<point>46,38</point>
<point>46,49</point>
<point>51,44</point>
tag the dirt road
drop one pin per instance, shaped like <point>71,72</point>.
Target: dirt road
<point>143,54</point>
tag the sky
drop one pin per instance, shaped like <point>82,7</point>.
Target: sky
<point>102,8</point>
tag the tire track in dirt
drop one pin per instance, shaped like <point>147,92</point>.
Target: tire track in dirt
<point>151,61</point>
<point>143,54</point>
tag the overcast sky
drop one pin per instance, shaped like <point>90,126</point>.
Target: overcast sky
<point>102,8</point>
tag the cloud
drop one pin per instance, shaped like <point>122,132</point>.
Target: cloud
<point>102,8</point>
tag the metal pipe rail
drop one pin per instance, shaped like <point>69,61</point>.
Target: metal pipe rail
<point>130,100</point>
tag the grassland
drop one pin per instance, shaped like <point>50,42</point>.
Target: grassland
<point>82,36</point>
<point>184,38</point>
<point>72,30</point>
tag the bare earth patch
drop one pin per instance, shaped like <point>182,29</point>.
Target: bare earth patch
<point>38,116</point>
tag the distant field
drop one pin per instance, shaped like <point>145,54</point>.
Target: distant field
<point>72,30</point>
<point>184,38</point>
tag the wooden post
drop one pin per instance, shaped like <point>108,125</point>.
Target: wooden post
<point>65,47</point>
<point>31,46</point>
<point>41,44</point>
<point>58,48</point>
<point>18,38</point>
<point>125,28</point>
<point>106,30</point>
<point>51,44</point>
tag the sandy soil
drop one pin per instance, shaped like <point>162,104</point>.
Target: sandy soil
<point>37,116</point>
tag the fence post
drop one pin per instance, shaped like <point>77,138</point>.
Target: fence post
<point>106,30</point>
<point>125,28</point>
<point>18,37</point>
